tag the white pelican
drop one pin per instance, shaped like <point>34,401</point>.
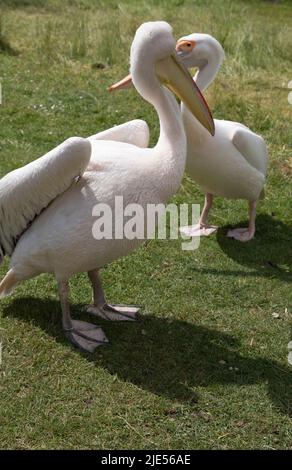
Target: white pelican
<point>233,164</point>
<point>59,239</point>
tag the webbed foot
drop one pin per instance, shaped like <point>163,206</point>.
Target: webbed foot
<point>86,336</point>
<point>114,312</point>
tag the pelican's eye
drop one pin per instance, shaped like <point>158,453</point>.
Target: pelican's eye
<point>185,46</point>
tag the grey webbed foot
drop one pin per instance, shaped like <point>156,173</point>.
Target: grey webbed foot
<point>114,312</point>
<point>86,336</point>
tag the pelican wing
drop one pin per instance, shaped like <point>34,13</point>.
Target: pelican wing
<point>134,132</point>
<point>25,192</point>
<point>252,147</point>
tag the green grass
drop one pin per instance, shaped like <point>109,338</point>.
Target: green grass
<point>161,383</point>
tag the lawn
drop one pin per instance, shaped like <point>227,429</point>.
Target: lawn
<point>206,367</point>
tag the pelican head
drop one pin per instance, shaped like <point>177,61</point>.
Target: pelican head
<point>204,52</point>
<point>154,61</point>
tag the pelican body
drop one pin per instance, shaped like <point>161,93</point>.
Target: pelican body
<point>59,239</point>
<point>233,163</point>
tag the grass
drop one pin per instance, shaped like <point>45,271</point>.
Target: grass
<point>207,366</point>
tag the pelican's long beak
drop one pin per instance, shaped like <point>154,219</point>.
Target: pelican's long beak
<point>124,83</point>
<point>173,74</point>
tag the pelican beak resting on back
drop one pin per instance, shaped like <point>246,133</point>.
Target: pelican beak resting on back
<point>60,239</point>
<point>234,163</point>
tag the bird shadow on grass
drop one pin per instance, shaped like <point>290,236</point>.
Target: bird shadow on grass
<point>269,254</point>
<point>168,358</point>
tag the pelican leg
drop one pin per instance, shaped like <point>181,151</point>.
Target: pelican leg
<point>107,311</point>
<point>83,335</point>
<point>202,228</point>
<point>246,234</point>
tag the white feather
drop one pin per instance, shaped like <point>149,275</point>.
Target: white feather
<point>134,132</point>
<point>25,192</point>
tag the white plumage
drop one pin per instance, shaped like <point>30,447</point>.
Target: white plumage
<point>134,132</point>
<point>25,192</point>
<point>60,239</point>
<point>231,164</point>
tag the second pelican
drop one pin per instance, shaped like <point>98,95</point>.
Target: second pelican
<point>233,164</point>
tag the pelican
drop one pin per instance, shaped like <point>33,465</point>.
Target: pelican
<point>233,164</point>
<point>46,207</point>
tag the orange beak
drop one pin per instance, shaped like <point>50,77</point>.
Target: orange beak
<point>172,73</point>
<point>122,84</point>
